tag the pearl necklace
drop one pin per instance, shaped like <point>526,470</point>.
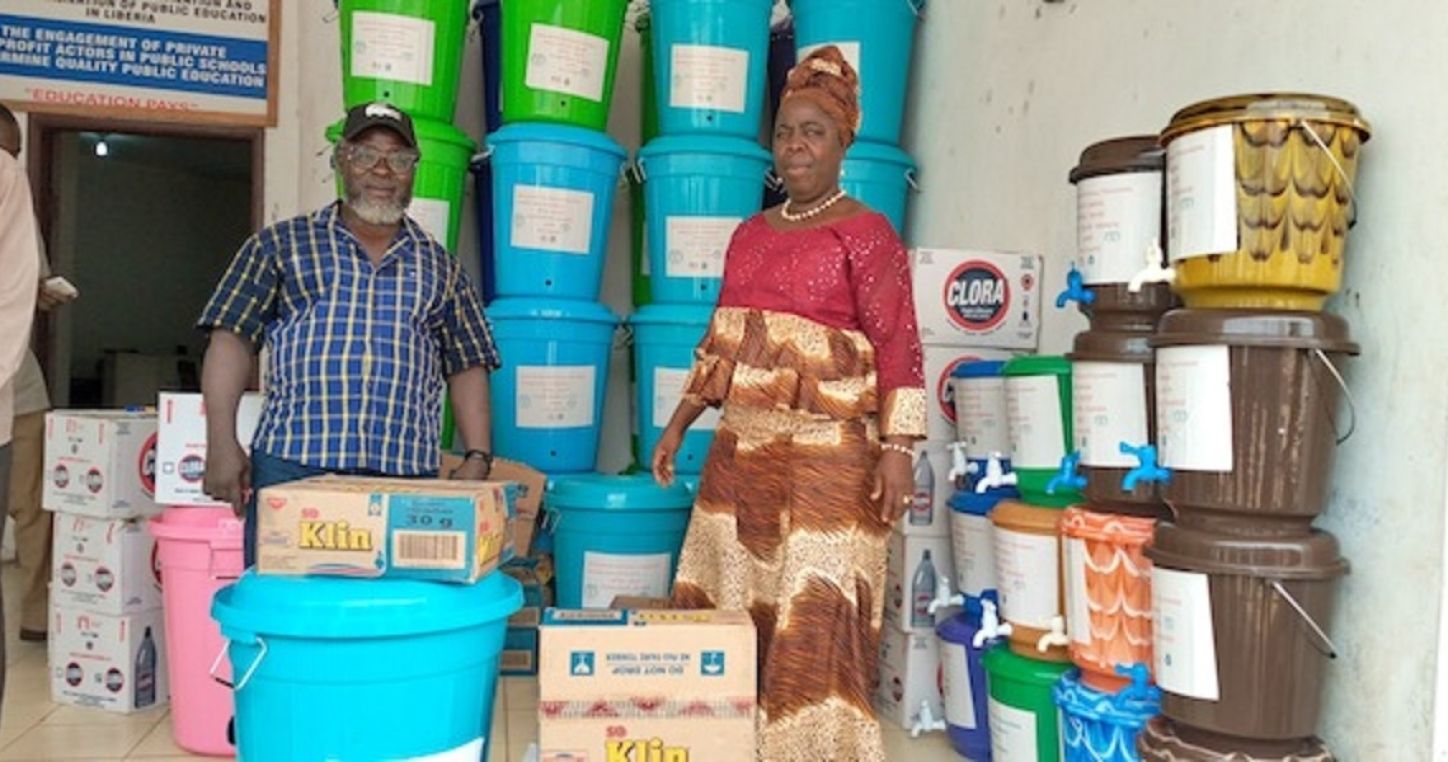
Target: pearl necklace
<point>812,212</point>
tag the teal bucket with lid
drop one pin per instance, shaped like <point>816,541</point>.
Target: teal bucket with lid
<point>710,58</point>
<point>665,336</point>
<point>333,668</point>
<point>615,535</point>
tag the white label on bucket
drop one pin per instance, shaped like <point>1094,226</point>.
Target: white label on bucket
<point>1028,570</point>
<point>668,390</point>
<point>1194,408</point>
<point>959,699</point>
<point>471,751</point>
<point>555,398</point>
<point>1108,400</point>
<point>974,544</point>
<point>566,61</point>
<point>694,246</point>
<point>609,575</point>
<point>1201,194</point>
<point>1012,733</point>
<point>1118,221</point>
<point>1185,648</point>
<point>705,76</point>
<point>387,46</point>
<point>980,416</point>
<point>552,219</point>
<point>850,50</point>
<point>1033,405</point>
<point>1078,600</point>
<point>433,215</point>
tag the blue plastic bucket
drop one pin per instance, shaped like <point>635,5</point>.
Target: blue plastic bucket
<point>880,177</point>
<point>1102,727</point>
<point>710,59</point>
<point>553,187</point>
<point>697,190</point>
<point>978,389</point>
<point>615,535</point>
<point>972,542</point>
<point>548,396</point>
<point>665,336</point>
<point>964,688</point>
<point>331,668</point>
<point>877,37</point>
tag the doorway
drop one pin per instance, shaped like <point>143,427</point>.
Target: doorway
<point>142,219</point>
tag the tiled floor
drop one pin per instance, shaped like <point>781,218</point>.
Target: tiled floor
<point>34,729</point>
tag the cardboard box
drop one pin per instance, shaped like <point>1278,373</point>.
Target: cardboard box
<point>934,522</point>
<point>115,663</point>
<point>520,651</point>
<point>362,527</point>
<point>978,298</point>
<point>181,445</point>
<point>910,581</point>
<point>647,685</point>
<point>940,362</point>
<point>100,463</point>
<point>909,677</point>
<point>528,501</point>
<point>106,566</point>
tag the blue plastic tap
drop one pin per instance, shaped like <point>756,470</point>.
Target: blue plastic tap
<point>1067,477</point>
<point>1075,290</point>
<point>1147,470</point>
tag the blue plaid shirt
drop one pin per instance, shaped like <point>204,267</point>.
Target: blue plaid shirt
<point>358,354</point>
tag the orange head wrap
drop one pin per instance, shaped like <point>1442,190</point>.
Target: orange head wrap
<point>830,82</point>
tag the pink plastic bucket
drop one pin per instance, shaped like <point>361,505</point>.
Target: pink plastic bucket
<point>199,551</point>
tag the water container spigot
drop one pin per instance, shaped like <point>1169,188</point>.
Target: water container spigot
<point>1056,637</point>
<point>995,475</point>
<point>926,722</point>
<point>991,626</point>
<point>1140,687</point>
<point>1154,272</point>
<point>1067,477</point>
<point>1146,469</point>
<point>960,467</point>
<point>1075,290</point>
<point>943,598</point>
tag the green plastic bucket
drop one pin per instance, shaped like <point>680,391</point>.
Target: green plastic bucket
<point>1038,407</point>
<point>437,187</point>
<point>559,60</point>
<point>406,52</point>
<point>1023,713</point>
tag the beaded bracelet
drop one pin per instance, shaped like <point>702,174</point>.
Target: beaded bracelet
<point>902,449</point>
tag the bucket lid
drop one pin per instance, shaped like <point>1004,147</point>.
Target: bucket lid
<point>637,492</point>
<point>341,608</point>
<point>1131,707</point>
<point>672,314</point>
<point>1111,346</point>
<point>1017,516</point>
<point>1138,153</point>
<point>425,129</point>
<point>865,150</point>
<point>1162,739</point>
<point>1038,365</point>
<point>1001,661</point>
<point>979,504</point>
<point>979,369</point>
<point>555,133</point>
<point>1313,556</point>
<point>215,525</point>
<point>720,145</point>
<point>1265,106</point>
<point>551,309</point>
<point>1255,328</point>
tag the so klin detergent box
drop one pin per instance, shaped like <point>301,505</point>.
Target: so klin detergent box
<point>652,686</point>
<point>366,527</point>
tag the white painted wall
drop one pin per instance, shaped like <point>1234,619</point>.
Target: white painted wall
<point>1006,95</point>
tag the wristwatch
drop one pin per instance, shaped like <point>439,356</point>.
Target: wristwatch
<point>483,455</point>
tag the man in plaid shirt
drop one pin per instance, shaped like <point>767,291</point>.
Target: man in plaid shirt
<point>366,317</point>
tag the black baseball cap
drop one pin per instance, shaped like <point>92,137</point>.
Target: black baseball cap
<point>365,116</point>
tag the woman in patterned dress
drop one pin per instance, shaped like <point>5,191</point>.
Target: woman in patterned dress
<point>814,356</point>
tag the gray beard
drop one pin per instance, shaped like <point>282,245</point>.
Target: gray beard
<point>378,212</point>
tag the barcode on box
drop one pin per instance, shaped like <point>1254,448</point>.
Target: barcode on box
<point>428,550</point>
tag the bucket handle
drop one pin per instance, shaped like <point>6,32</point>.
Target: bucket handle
<point>245,678</point>
<point>334,14</point>
<point>623,339</point>
<point>1351,193</point>
<point>1323,641</point>
<point>912,180</point>
<point>638,171</point>
<point>917,7</point>
<point>1342,384</point>
<point>773,181</point>
<point>483,156</point>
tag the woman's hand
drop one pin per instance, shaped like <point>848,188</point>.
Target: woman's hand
<point>894,485</point>
<point>664,453</point>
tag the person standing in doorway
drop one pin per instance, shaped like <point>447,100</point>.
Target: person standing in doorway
<point>33,525</point>
<point>366,319</point>
<point>19,273</point>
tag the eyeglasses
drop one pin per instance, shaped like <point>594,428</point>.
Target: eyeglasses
<point>366,157</point>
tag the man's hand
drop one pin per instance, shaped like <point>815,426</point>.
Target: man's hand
<point>228,474</point>
<point>47,299</point>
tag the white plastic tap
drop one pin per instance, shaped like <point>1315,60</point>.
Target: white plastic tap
<point>991,627</point>
<point>1154,272</point>
<point>943,598</point>
<point>995,475</point>
<point>1056,637</point>
<point>959,465</point>
<point>927,722</point>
